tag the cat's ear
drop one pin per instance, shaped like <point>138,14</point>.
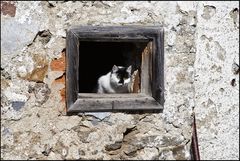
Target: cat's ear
<point>114,69</point>
<point>129,69</point>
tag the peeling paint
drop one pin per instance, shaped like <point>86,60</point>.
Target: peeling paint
<point>8,8</point>
<point>17,105</point>
<point>208,12</point>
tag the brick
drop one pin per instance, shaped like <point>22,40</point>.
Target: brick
<point>58,64</point>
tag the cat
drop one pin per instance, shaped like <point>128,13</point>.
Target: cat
<point>118,80</point>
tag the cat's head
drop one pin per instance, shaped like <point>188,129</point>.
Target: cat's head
<point>121,76</point>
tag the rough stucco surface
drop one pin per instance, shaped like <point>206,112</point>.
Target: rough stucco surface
<point>216,100</point>
<point>201,46</point>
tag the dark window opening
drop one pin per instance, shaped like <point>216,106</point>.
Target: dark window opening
<point>93,50</point>
<point>97,59</point>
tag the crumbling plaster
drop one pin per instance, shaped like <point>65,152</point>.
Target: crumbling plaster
<point>201,46</point>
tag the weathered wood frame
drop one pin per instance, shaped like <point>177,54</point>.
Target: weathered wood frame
<point>80,102</point>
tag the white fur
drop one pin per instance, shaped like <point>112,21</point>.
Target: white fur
<point>109,84</point>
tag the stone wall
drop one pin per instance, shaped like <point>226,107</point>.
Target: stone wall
<point>201,63</point>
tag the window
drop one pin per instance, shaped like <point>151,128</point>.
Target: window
<point>92,51</point>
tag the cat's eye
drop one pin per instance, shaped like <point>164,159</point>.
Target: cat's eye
<point>125,78</point>
<point>91,52</point>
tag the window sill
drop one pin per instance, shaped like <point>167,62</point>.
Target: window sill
<point>92,102</point>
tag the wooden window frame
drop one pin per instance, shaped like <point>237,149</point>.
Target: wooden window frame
<point>154,73</point>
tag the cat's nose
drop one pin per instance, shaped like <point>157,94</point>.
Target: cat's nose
<point>121,82</point>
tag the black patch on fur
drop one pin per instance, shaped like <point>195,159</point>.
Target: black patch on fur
<point>122,73</point>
